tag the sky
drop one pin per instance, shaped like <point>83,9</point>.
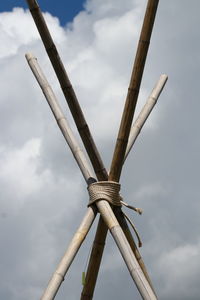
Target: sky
<point>43,195</point>
<point>65,14</point>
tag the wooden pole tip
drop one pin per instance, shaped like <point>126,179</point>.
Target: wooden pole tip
<point>30,56</point>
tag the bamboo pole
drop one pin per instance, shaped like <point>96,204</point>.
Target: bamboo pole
<point>145,112</point>
<point>133,91</point>
<point>123,135</point>
<point>132,264</point>
<point>60,118</point>
<point>58,276</point>
<point>67,89</point>
<point>88,175</point>
<point>95,260</point>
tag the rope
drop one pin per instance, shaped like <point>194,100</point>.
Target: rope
<point>135,230</point>
<point>138,210</point>
<point>109,191</point>
<point>105,190</point>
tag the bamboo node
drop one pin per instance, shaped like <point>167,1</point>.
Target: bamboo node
<point>60,275</point>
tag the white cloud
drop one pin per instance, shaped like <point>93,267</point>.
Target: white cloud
<point>12,34</point>
<point>18,169</point>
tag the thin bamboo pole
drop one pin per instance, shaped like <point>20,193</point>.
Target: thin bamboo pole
<point>58,276</point>
<point>67,89</point>
<point>132,264</point>
<point>90,215</point>
<point>133,91</point>
<point>145,112</point>
<point>60,118</point>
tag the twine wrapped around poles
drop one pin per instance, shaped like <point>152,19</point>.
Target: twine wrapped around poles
<point>109,191</point>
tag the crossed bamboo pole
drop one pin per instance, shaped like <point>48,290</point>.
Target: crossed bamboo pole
<point>103,206</point>
<point>83,229</point>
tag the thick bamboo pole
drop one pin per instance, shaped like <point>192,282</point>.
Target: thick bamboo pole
<point>67,89</point>
<point>133,91</point>
<point>145,112</point>
<point>121,144</point>
<point>95,260</point>
<point>58,276</point>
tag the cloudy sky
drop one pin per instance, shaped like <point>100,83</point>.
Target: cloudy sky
<point>43,194</point>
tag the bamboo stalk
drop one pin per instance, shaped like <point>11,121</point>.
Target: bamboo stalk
<point>83,229</point>
<point>145,112</point>
<point>132,264</point>
<point>68,90</point>
<point>60,272</point>
<point>133,91</point>
<point>59,275</point>
<point>95,260</point>
<point>60,118</point>
<point>121,144</point>
<point>126,230</point>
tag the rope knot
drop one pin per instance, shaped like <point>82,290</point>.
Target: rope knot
<point>105,190</point>
<point>109,191</point>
